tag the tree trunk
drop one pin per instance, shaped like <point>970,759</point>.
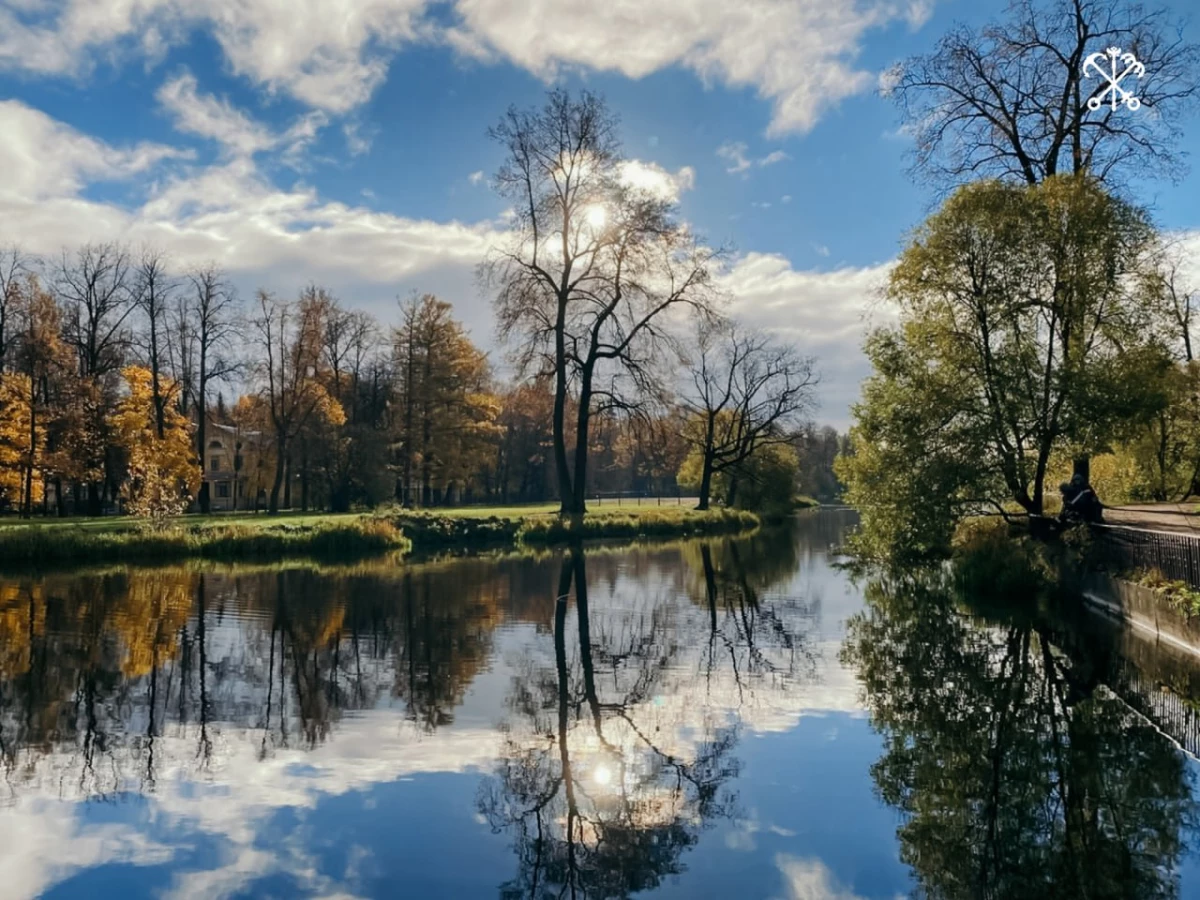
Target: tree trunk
<point>304,476</point>
<point>1082,465</point>
<point>566,493</point>
<point>204,499</point>
<point>287,481</point>
<point>706,480</point>
<point>582,422</point>
<point>27,500</point>
<point>273,508</point>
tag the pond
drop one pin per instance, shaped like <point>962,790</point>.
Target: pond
<point>731,718</point>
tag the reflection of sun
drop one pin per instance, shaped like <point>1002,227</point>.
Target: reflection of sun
<point>602,775</point>
<point>596,215</point>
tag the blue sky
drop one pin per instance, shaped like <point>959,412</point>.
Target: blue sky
<point>335,140</point>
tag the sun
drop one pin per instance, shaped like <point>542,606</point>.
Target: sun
<point>596,216</point>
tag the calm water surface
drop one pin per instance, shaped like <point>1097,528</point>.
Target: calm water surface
<point>725,719</point>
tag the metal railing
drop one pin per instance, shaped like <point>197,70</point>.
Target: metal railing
<point>639,498</point>
<point>1176,555</point>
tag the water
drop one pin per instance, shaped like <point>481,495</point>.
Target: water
<point>722,719</point>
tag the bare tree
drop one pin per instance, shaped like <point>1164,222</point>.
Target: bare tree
<point>96,286</point>
<point>15,265</point>
<point>209,324</point>
<point>1010,99</point>
<point>288,337</point>
<point>154,289</point>
<point>1179,292</point>
<point>592,270</point>
<point>747,392</point>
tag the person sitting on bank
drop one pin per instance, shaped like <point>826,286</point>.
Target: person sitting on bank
<point>1080,501</point>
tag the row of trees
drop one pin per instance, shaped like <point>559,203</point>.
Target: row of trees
<point>113,372</point>
<point>1045,323</point>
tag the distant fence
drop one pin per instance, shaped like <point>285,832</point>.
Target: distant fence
<point>640,498</point>
<point>1175,554</point>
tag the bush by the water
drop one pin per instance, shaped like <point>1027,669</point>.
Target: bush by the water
<point>431,532</point>
<point>650,523</point>
<point>40,545</point>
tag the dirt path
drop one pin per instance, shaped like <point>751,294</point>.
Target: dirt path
<point>1156,516</point>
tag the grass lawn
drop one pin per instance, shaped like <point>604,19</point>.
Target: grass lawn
<point>261,537</point>
<point>516,511</point>
<point>127,523</point>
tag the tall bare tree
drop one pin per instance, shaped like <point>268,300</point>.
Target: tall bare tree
<point>154,290</point>
<point>592,269</point>
<point>748,392</point>
<point>288,344</point>
<point>96,285</point>
<point>15,265</point>
<point>210,319</point>
<point>1010,98</point>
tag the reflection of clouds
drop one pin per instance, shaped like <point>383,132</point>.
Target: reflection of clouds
<point>741,836</point>
<point>44,841</point>
<point>810,879</point>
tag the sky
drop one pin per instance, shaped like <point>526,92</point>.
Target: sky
<point>344,142</point>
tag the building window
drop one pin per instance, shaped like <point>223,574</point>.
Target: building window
<point>214,445</point>
<point>223,490</point>
<point>214,464</point>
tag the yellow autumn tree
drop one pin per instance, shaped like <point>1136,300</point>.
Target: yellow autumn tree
<point>163,472</point>
<point>19,442</point>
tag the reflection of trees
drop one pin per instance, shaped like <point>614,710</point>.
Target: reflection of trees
<point>1017,775</point>
<point>600,794</point>
<point>731,579</point>
<point>98,668</point>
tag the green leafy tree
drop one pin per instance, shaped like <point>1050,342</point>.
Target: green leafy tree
<point>1023,333</point>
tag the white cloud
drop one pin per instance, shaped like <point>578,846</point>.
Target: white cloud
<point>330,54</point>
<point>41,157</point>
<point>654,179</point>
<point>799,54</point>
<point>735,153</point>
<point>358,137</point>
<point>810,879</point>
<point>820,249</point>
<point>821,313</point>
<point>476,177</point>
<point>208,117</point>
<point>786,198</point>
<point>231,214</point>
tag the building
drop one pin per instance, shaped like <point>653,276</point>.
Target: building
<point>234,468</point>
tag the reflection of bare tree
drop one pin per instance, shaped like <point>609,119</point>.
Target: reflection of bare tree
<point>603,798</point>
<point>757,638</point>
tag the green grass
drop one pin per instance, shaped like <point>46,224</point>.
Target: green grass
<point>1179,595</point>
<point>343,538</point>
<point>190,520</point>
<point>434,531</point>
<point>246,536</point>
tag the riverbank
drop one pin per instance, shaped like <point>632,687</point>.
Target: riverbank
<point>344,537</point>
